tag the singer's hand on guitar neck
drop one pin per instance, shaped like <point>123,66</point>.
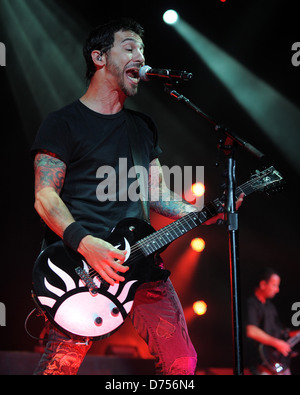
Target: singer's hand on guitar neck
<point>104,258</point>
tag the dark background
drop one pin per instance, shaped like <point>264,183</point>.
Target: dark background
<point>257,34</point>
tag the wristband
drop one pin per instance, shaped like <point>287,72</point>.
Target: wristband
<point>73,235</point>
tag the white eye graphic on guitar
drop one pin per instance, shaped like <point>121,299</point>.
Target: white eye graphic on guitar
<point>73,296</point>
<point>82,313</point>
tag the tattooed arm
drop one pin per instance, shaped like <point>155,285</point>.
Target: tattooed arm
<point>49,179</point>
<point>168,203</point>
<point>164,201</point>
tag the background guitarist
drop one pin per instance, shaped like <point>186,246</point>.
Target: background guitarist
<point>71,145</point>
<point>263,325</point>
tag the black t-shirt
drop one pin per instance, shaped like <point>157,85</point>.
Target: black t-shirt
<point>96,150</point>
<point>265,317</point>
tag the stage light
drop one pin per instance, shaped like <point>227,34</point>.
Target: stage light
<point>200,307</point>
<point>198,244</point>
<point>191,312</point>
<point>170,17</point>
<point>184,271</point>
<point>273,113</point>
<point>41,69</point>
<point>198,189</point>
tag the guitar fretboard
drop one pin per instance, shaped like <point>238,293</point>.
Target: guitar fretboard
<point>163,237</point>
<point>173,231</point>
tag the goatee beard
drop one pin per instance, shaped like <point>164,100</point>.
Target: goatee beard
<point>119,74</point>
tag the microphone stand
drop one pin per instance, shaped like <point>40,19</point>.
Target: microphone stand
<point>228,143</point>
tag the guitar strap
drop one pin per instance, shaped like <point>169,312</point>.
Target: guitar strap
<point>134,138</point>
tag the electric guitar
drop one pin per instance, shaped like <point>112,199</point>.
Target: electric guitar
<point>79,303</point>
<point>274,360</point>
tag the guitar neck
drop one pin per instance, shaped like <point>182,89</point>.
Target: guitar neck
<point>163,237</point>
<point>294,340</point>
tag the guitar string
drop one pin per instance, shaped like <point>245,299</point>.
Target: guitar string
<point>186,219</point>
<point>137,248</point>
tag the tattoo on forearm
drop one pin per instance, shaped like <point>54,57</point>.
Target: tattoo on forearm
<point>49,172</point>
<point>173,209</point>
<point>166,202</point>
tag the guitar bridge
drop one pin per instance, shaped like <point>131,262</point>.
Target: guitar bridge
<point>87,280</point>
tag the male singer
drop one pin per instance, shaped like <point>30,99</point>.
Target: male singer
<point>71,145</point>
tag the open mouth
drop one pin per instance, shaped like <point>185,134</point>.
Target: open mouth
<point>133,75</point>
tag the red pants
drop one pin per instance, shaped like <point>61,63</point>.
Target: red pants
<point>158,318</point>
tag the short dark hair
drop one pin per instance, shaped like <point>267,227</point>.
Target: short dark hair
<point>102,38</point>
<point>265,275</point>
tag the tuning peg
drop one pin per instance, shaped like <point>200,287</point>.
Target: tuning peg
<point>254,175</point>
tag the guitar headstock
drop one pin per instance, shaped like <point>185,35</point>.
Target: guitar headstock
<point>269,181</point>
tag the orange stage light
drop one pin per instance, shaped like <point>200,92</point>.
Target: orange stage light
<point>191,312</point>
<point>195,193</point>
<point>198,189</point>
<point>198,244</point>
<point>200,307</point>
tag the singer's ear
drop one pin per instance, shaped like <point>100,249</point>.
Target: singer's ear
<point>98,59</point>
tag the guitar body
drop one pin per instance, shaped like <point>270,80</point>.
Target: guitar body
<point>273,359</point>
<point>76,300</point>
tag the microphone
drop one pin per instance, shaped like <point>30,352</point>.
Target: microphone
<point>146,73</point>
